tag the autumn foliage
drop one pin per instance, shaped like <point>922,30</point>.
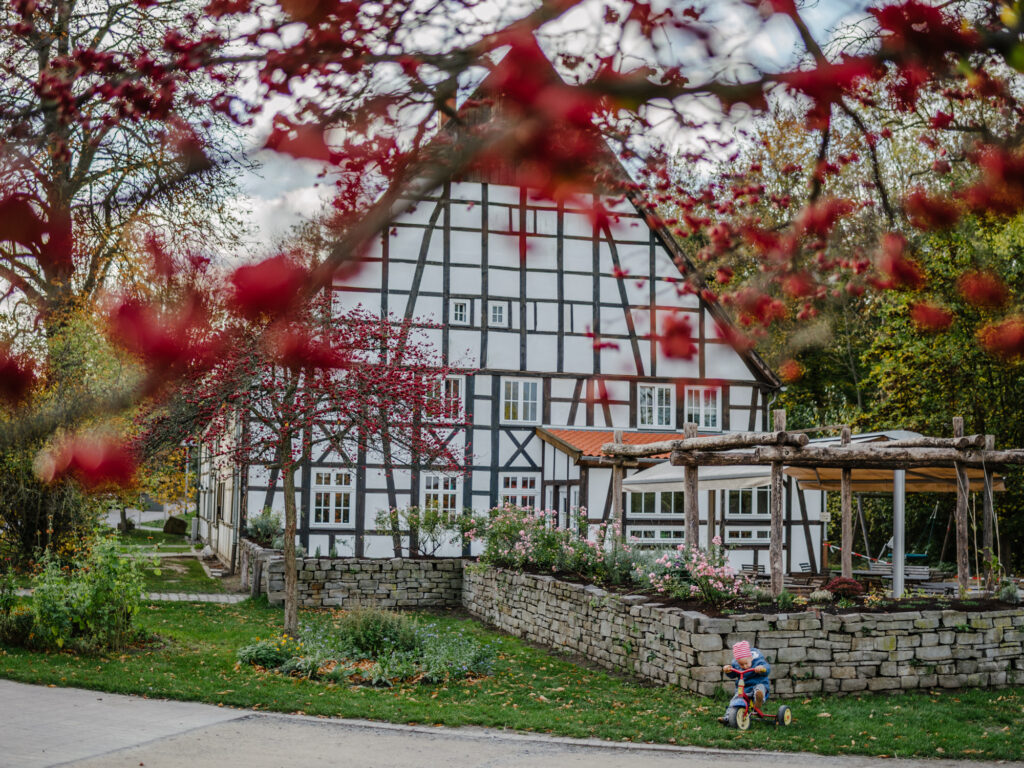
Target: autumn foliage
<point>365,92</point>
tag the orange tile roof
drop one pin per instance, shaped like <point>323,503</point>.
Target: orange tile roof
<point>589,441</point>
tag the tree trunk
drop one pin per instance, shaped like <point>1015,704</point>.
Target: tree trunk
<point>291,576</point>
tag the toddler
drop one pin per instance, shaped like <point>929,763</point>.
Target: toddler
<point>746,657</point>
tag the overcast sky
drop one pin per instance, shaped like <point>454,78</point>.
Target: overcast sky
<point>283,191</point>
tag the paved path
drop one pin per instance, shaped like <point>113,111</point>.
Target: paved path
<point>43,727</point>
<point>179,597</point>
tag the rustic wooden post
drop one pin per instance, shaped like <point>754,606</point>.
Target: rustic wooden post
<point>988,516</point>
<point>775,535</point>
<point>711,518</point>
<point>863,525</point>
<point>846,502</point>
<point>691,501</point>
<point>618,509</point>
<point>962,559</point>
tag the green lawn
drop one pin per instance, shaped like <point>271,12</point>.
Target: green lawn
<point>530,690</point>
<point>149,538</point>
<point>180,574</point>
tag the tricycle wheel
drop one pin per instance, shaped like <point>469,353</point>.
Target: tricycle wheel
<point>739,717</point>
<point>784,716</point>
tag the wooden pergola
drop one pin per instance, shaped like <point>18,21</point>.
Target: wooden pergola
<point>780,449</point>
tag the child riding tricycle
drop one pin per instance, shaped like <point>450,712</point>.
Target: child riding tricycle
<point>752,689</point>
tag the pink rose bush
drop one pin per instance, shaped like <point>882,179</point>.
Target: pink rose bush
<point>689,572</point>
<point>530,539</point>
<point>523,538</point>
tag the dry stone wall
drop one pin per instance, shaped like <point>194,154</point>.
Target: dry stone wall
<point>809,652</point>
<point>394,583</point>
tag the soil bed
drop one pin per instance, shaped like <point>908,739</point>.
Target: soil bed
<point>747,606</point>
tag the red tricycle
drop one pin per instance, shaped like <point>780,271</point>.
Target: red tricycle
<point>739,717</point>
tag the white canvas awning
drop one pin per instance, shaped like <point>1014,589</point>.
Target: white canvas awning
<point>665,477</point>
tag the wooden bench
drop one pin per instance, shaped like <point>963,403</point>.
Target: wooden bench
<point>910,572</point>
<point>749,569</point>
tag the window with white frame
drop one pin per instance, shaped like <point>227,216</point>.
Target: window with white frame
<point>499,314</point>
<point>519,401</point>
<point>441,492</point>
<point>654,405</point>
<point>704,407</point>
<point>673,503</point>
<point>333,492</point>
<point>748,501</point>
<point>642,503</point>
<point>739,534</point>
<point>656,537</point>
<point>651,503</point>
<point>460,312</point>
<point>448,393</point>
<point>519,490</point>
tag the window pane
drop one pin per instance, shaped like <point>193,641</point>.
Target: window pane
<point>530,401</point>
<point>711,408</point>
<point>644,407</point>
<point>666,503</point>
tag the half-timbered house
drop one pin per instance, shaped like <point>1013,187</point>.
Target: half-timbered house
<point>554,317</point>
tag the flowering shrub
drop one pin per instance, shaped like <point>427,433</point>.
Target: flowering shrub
<point>691,572</point>
<point>525,538</point>
<point>528,539</point>
<point>844,587</point>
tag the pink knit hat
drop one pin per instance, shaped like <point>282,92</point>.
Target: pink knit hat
<point>741,650</point>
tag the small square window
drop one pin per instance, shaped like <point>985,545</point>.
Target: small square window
<point>460,312</point>
<point>498,314</point>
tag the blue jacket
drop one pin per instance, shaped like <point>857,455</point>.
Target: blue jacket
<point>752,679</point>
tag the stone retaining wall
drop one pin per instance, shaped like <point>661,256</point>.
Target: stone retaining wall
<point>394,583</point>
<point>809,652</point>
<point>249,554</point>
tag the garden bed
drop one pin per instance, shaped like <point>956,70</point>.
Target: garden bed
<point>872,604</point>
